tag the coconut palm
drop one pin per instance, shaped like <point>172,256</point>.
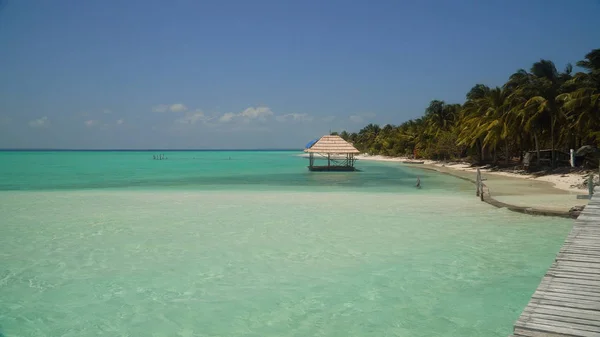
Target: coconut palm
<point>582,102</point>
<point>488,120</point>
<point>440,116</point>
<point>547,84</point>
<point>534,108</point>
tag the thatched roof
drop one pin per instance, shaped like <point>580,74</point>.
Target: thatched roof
<point>332,144</point>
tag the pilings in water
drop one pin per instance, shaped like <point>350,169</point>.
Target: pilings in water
<point>479,185</point>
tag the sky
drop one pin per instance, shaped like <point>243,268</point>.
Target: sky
<point>188,74</point>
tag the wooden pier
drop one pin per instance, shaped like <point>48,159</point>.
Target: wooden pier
<point>567,301</point>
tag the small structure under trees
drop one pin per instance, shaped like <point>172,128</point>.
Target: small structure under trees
<point>338,153</point>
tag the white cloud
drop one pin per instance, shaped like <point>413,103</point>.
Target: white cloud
<point>360,118</point>
<point>177,107</point>
<point>120,121</point>
<point>227,117</point>
<point>261,112</point>
<point>294,117</point>
<point>192,118</point>
<point>40,122</point>
<point>90,123</point>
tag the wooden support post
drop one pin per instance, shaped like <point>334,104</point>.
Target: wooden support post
<point>478,181</point>
<point>591,184</point>
<point>481,190</point>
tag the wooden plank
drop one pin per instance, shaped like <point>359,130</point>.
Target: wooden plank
<point>570,290</point>
<point>584,243</point>
<point>576,269</point>
<point>582,231</point>
<point>589,315</point>
<point>538,330</point>
<point>577,248</point>
<point>557,323</point>
<point>589,305</point>
<point>534,333</point>
<point>566,294</point>
<point>579,281</point>
<point>561,282</point>
<point>581,246</point>
<point>579,251</point>
<point>576,293</point>
<point>577,257</point>
<point>565,319</point>
<point>590,247</point>
<point>573,275</point>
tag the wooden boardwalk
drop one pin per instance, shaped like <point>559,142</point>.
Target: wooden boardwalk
<point>567,301</point>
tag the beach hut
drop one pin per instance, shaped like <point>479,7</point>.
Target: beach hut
<point>338,152</point>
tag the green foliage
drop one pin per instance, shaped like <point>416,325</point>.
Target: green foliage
<point>538,109</point>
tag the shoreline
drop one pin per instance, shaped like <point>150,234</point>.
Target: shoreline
<point>565,182</point>
<point>549,195</point>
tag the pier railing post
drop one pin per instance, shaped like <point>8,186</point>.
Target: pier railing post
<point>481,190</point>
<point>478,182</point>
<point>591,184</point>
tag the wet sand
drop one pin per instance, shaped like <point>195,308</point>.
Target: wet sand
<point>520,192</point>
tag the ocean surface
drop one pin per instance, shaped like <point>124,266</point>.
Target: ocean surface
<point>251,243</point>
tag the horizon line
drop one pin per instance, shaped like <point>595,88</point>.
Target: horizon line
<point>144,150</point>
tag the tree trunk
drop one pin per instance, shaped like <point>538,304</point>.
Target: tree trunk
<point>506,153</point>
<point>537,148</point>
<point>479,151</point>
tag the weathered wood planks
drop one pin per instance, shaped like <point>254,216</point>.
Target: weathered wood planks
<point>567,301</point>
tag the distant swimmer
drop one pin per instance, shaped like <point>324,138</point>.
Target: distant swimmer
<point>418,182</point>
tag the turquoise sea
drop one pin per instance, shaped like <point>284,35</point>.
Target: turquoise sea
<point>249,243</point>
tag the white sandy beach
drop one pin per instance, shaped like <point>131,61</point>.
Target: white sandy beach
<point>566,182</point>
<point>553,192</point>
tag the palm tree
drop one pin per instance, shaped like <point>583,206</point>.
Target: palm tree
<point>440,116</point>
<point>547,82</point>
<point>470,130</point>
<point>539,107</point>
<point>488,120</point>
<point>582,102</point>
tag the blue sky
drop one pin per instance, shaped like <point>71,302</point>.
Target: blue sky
<point>258,74</point>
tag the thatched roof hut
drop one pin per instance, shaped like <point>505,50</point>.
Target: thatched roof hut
<point>332,145</point>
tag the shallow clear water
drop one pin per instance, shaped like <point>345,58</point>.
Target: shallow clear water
<point>201,247</point>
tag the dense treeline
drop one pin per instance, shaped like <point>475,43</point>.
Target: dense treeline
<point>542,108</point>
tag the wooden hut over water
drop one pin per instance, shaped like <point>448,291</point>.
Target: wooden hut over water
<point>338,152</point>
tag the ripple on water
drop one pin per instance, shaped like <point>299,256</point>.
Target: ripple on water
<point>266,264</point>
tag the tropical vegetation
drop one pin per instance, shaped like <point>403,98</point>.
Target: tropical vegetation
<point>539,109</point>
